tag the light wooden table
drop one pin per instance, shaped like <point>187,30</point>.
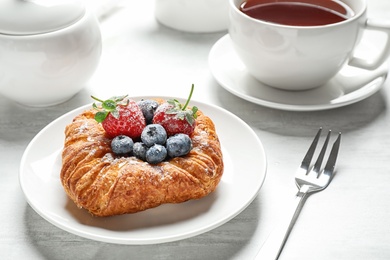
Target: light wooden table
<point>141,57</point>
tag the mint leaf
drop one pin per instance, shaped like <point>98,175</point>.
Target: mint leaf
<point>100,116</point>
<point>109,105</point>
<point>190,119</point>
<point>194,110</point>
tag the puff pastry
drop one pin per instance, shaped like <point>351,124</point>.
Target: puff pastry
<point>105,184</point>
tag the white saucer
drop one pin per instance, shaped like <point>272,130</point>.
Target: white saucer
<point>350,85</point>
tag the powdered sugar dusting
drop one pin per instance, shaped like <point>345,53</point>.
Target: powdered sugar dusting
<point>200,140</point>
<point>82,128</point>
<point>108,158</point>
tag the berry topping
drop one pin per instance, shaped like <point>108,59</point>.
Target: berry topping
<point>154,134</point>
<point>179,145</point>
<point>156,154</point>
<point>122,144</point>
<point>175,117</point>
<point>148,107</point>
<point>120,116</point>
<point>150,124</point>
<point>139,150</point>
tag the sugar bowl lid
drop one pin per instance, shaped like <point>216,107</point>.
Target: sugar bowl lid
<point>29,17</point>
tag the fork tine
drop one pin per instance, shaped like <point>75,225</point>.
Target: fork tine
<point>331,163</point>
<point>309,155</point>
<point>317,165</point>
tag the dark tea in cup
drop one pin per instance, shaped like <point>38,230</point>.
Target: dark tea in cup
<point>297,12</point>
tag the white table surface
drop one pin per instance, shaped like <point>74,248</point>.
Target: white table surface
<point>349,220</point>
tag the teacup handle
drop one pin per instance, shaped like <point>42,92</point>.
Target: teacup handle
<point>383,55</point>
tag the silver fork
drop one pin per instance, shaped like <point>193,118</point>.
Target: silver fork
<point>308,180</point>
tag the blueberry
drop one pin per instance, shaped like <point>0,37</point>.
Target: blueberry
<point>122,144</point>
<point>179,145</point>
<point>154,134</point>
<point>148,107</point>
<point>139,150</point>
<point>155,154</point>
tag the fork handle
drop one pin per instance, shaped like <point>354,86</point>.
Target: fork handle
<point>274,244</point>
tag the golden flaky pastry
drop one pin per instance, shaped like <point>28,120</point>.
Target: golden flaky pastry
<point>105,184</point>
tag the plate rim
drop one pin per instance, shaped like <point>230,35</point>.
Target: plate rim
<point>138,241</point>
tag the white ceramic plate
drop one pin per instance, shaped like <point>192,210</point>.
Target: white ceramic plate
<point>245,169</point>
<point>349,86</point>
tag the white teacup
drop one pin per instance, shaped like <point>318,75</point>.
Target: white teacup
<point>48,50</point>
<point>301,57</point>
<point>196,16</point>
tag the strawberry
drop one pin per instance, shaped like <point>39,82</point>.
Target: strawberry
<point>175,117</point>
<point>120,116</point>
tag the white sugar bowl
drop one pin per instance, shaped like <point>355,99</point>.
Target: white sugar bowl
<point>48,50</point>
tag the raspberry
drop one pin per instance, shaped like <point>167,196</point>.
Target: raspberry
<point>120,116</point>
<point>175,117</point>
<point>173,123</point>
<point>131,122</point>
